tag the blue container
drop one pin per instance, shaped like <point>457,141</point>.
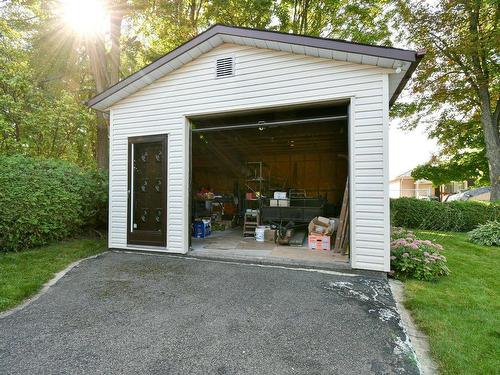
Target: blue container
<point>201,229</point>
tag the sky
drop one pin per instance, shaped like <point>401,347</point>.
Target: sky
<point>407,149</point>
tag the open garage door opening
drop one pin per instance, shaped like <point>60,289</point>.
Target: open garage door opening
<point>271,183</point>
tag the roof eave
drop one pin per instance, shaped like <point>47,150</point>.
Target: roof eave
<point>151,67</point>
<point>419,55</point>
<point>331,44</point>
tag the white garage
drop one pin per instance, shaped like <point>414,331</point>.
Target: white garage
<point>241,128</point>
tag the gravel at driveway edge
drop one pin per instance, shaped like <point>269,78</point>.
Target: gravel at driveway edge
<point>46,286</point>
<point>418,339</point>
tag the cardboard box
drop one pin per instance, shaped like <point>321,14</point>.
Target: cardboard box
<point>279,202</point>
<point>283,202</point>
<point>279,195</point>
<point>319,242</point>
<point>320,225</point>
<point>270,235</point>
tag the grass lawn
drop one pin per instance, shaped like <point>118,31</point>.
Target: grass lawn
<point>23,273</point>
<point>461,312</point>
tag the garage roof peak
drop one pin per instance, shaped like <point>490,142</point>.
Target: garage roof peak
<point>402,60</point>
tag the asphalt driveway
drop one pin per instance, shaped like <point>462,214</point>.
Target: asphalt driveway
<point>126,313</point>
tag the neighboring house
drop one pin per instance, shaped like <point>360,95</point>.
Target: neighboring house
<point>230,76</point>
<point>405,185</point>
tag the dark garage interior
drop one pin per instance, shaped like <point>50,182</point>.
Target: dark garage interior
<point>259,178</point>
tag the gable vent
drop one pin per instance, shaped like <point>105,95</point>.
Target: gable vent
<point>224,67</point>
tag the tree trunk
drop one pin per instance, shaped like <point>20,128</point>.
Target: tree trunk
<point>99,71</point>
<point>106,71</point>
<point>102,142</point>
<point>114,54</point>
<point>492,141</point>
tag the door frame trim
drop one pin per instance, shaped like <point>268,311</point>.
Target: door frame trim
<point>147,139</point>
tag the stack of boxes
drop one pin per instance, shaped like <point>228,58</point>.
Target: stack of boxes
<point>279,199</point>
<point>320,232</point>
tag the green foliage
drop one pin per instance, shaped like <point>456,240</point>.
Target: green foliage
<point>462,166</point>
<point>455,90</point>
<point>365,21</point>
<point>448,75</point>
<point>165,25</point>
<point>38,117</point>
<point>457,216</point>
<point>46,200</point>
<point>486,234</point>
<point>414,258</point>
<point>245,13</point>
<point>47,71</point>
<point>462,156</point>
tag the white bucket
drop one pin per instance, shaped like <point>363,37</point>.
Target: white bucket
<point>259,233</point>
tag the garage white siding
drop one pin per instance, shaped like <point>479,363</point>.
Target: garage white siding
<point>263,78</point>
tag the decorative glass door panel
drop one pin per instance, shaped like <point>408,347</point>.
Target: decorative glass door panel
<point>147,191</point>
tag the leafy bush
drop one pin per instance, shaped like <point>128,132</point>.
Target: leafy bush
<point>486,234</point>
<point>45,200</point>
<point>456,216</point>
<point>414,258</point>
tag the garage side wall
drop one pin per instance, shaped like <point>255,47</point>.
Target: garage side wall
<point>263,78</point>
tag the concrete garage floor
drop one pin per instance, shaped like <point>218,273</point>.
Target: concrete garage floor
<point>124,313</point>
<point>230,244</point>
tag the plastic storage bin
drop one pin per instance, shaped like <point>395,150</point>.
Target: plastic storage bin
<point>202,228</point>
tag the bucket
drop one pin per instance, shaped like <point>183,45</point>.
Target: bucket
<point>259,233</point>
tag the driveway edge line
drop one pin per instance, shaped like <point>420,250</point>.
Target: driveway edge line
<point>45,287</point>
<point>418,339</point>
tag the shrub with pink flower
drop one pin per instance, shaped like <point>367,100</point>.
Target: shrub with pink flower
<point>415,258</point>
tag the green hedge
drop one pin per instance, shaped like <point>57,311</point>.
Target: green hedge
<point>44,200</point>
<point>457,216</point>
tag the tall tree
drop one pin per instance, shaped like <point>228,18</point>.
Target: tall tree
<point>459,82</point>
<point>62,67</point>
<point>40,115</point>
<point>167,24</point>
<point>365,21</point>
<point>105,69</point>
<point>462,155</point>
<point>247,13</point>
